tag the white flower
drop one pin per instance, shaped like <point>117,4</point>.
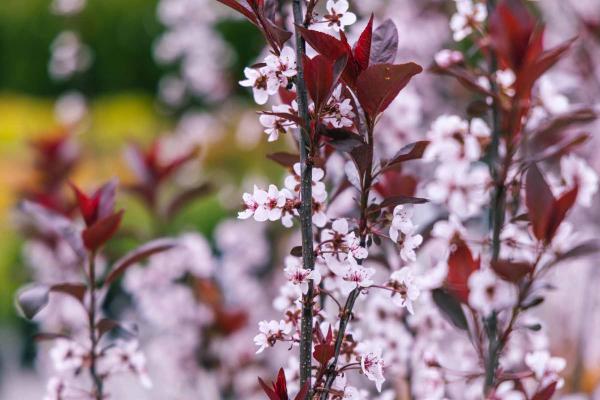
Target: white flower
<point>292,182</point>
<point>488,293</point>
<point>263,84</point>
<point>406,290</point>
<point>255,205</point>
<point>339,112</point>
<point>263,205</point>
<point>275,125</point>
<point>298,275</point>
<point>56,389</point>
<point>467,16</point>
<point>270,332</point>
<point>453,138</point>
<point>408,243</point>
<point>351,273</point>
<point>517,243</point>
<point>338,16</point>
<point>68,355</point>
<point>446,57</point>
<point>371,363</point>
<point>575,171</point>
<point>125,357</point>
<point>506,79</point>
<point>461,187</point>
<point>402,221</point>
<point>552,99</point>
<point>506,391</point>
<point>545,367</point>
<point>339,239</point>
<point>284,66</point>
<point>449,229</point>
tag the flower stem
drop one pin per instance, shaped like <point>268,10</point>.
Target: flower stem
<point>306,325</point>
<point>96,379</point>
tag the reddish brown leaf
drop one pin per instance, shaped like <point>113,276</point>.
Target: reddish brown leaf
<point>324,352</point>
<point>511,271</point>
<point>137,255</point>
<point>461,264</point>
<point>318,73</point>
<point>561,206</point>
<point>413,151</point>
<point>539,201</point>
<point>393,201</point>
<point>384,45</point>
<point>96,235</point>
<point>379,85</point>
<point>75,290</point>
<point>284,159</point>
<point>362,48</point>
<point>242,9</point>
<point>545,393</point>
<point>511,28</point>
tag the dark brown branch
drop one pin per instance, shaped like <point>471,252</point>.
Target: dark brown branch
<point>306,325</point>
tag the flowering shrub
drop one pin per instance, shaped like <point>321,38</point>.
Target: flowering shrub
<point>421,260</point>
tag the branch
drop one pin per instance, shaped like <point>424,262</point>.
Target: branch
<point>306,325</point>
<point>96,379</point>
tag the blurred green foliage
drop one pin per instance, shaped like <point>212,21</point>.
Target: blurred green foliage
<point>121,35</point>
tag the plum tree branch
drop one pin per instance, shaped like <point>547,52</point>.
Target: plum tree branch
<point>306,325</point>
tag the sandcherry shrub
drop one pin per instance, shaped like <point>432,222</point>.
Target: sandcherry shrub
<point>413,262</point>
<point>445,306</point>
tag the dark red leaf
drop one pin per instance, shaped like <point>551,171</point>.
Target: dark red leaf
<point>323,353</point>
<point>96,235</point>
<point>545,393</point>
<point>284,159</point>
<point>394,183</point>
<point>324,44</point>
<point>341,139</point>
<point>562,205</point>
<point>318,73</point>
<point>137,255</point>
<point>75,290</point>
<point>362,48</point>
<point>413,151</point>
<point>511,271</point>
<point>281,385</point>
<point>303,393</point>
<point>242,9</point>
<point>461,264</point>
<point>88,205</point>
<point>539,201</point>
<point>397,200</point>
<point>44,336</point>
<point>511,27</point>
<point>379,85</point>
<point>384,45</point>
<point>361,156</point>
<point>270,392</point>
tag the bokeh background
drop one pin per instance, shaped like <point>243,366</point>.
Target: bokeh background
<point>144,68</point>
